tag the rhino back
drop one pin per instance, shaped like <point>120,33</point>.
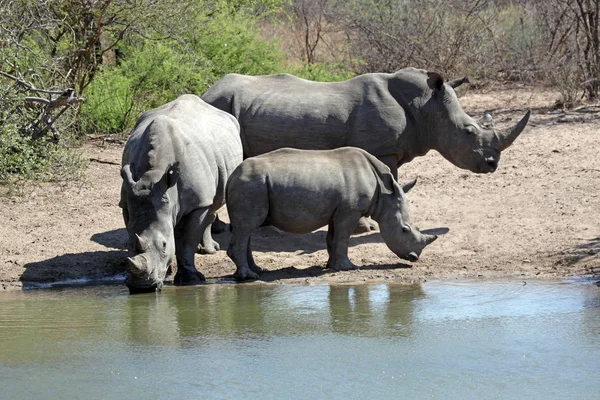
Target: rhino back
<point>204,140</point>
<point>277,111</point>
<point>306,187</point>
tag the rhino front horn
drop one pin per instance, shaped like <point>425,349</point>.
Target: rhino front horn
<point>508,136</point>
<point>135,265</point>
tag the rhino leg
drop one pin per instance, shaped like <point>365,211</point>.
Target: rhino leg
<point>251,263</point>
<point>338,236</point>
<point>207,244</point>
<point>238,251</point>
<point>219,226</point>
<point>187,235</point>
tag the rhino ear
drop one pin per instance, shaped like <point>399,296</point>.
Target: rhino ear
<point>435,81</point>
<point>126,174</point>
<point>408,186</point>
<point>457,82</point>
<point>172,174</point>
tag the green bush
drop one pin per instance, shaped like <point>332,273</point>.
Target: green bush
<point>151,73</point>
<point>23,158</point>
<point>322,72</point>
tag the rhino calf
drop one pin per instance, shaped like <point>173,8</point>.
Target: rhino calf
<point>299,191</point>
<point>175,166</point>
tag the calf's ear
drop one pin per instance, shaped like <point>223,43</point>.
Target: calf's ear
<point>435,81</point>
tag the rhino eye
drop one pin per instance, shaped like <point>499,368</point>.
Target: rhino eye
<point>405,228</point>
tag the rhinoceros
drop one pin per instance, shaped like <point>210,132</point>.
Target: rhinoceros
<point>299,191</point>
<point>175,167</point>
<point>395,117</point>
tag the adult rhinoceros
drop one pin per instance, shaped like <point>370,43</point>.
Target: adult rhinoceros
<point>395,117</point>
<point>175,166</point>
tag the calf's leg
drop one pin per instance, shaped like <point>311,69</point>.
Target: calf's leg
<point>342,228</point>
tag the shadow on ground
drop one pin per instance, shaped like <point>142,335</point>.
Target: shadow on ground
<point>115,239</point>
<point>270,239</point>
<point>582,252</point>
<point>89,265</point>
<point>310,272</point>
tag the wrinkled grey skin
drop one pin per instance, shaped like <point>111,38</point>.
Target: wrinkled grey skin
<point>175,167</point>
<point>299,191</point>
<point>395,117</point>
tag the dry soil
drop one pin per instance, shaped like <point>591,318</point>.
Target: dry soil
<point>536,217</point>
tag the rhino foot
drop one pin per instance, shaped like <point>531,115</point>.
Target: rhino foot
<point>365,225</point>
<point>209,248</point>
<point>185,276</point>
<point>255,268</point>
<point>343,265</point>
<point>219,226</point>
<point>243,274</point>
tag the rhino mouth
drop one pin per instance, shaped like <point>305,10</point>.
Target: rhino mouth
<point>142,287</point>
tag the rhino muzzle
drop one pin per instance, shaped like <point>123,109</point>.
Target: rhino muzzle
<point>139,279</point>
<point>146,287</point>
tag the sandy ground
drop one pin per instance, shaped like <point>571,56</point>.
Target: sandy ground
<point>536,217</point>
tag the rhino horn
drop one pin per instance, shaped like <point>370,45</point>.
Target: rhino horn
<point>126,175</point>
<point>429,239</point>
<point>135,264</point>
<point>457,82</point>
<point>140,244</point>
<point>508,136</point>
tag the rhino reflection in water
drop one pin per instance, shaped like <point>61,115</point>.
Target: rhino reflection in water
<point>299,191</point>
<point>395,117</point>
<point>175,166</point>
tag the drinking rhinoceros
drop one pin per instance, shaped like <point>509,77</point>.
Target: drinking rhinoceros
<point>175,166</point>
<point>395,117</point>
<point>299,191</point>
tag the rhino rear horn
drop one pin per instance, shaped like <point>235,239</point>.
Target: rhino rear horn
<point>508,136</point>
<point>457,82</point>
<point>430,239</point>
<point>140,244</point>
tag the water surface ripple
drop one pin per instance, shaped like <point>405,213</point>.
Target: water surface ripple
<point>436,340</point>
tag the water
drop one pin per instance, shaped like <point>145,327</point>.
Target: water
<point>436,340</point>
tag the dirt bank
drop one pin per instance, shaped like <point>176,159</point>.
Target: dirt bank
<point>538,216</point>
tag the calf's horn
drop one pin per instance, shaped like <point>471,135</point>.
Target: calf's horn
<point>508,136</point>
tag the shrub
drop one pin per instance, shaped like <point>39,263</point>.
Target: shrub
<point>151,73</point>
<point>23,158</point>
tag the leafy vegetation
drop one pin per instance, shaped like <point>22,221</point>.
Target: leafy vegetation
<point>124,57</point>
